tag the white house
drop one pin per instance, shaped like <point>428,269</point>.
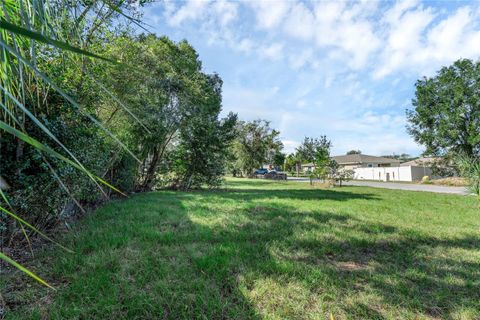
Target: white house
<point>399,173</point>
<point>352,161</point>
<point>367,167</point>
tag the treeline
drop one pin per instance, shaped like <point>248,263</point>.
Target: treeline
<point>91,109</point>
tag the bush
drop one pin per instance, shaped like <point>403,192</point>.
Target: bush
<point>469,167</point>
<point>426,180</point>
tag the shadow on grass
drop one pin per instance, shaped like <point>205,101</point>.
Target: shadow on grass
<point>338,194</point>
<point>398,266</point>
<point>171,255</point>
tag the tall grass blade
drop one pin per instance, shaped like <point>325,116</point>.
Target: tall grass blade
<point>41,38</point>
<point>111,95</point>
<point>25,270</point>
<point>43,235</point>
<point>67,97</point>
<point>117,9</point>
<point>38,123</point>
<point>36,144</point>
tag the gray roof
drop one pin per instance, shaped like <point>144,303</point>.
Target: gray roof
<point>423,161</point>
<point>362,158</point>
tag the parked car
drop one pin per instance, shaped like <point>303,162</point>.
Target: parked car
<point>261,171</point>
<point>275,175</point>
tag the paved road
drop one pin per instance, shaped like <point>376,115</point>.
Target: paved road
<point>399,186</point>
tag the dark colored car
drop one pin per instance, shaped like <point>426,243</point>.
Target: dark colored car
<point>275,175</point>
<point>261,171</point>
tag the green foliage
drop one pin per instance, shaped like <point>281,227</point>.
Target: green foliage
<point>72,118</point>
<point>316,151</point>
<point>354,152</point>
<point>203,150</point>
<point>255,145</point>
<point>36,118</point>
<point>291,163</point>
<point>265,250</point>
<point>470,169</point>
<point>338,174</point>
<point>185,144</point>
<point>404,157</point>
<point>446,114</point>
<point>278,159</point>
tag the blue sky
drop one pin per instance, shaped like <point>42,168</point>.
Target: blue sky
<point>346,69</point>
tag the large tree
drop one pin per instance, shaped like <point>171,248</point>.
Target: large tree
<point>256,144</point>
<point>314,149</point>
<point>204,139</point>
<point>446,114</point>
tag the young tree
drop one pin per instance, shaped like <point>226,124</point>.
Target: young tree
<point>446,114</point>
<point>338,174</point>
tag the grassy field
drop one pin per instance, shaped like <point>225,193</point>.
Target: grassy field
<point>264,250</point>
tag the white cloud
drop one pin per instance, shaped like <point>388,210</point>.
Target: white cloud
<point>192,10</point>
<point>328,58</point>
<point>225,11</point>
<point>269,13</point>
<point>273,51</point>
<point>405,38</point>
<point>300,22</point>
<point>244,45</point>
<point>305,58</point>
<point>328,25</point>
<point>422,39</point>
<point>452,38</point>
<point>289,146</point>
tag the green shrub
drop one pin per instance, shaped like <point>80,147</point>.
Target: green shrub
<point>470,169</point>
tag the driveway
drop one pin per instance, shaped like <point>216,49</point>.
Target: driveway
<point>399,186</point>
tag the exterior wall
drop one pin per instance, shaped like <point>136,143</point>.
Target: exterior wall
<point>307,169</point>
<point>350,166</point>
<point>409,173</point>
<point>419,172</point>
<point>369,165</point>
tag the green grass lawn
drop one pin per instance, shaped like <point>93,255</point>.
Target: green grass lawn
<point>265,250</point>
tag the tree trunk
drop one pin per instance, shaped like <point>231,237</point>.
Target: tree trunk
<point>3,184</point>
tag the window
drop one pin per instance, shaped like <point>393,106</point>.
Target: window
<point>370,165</point>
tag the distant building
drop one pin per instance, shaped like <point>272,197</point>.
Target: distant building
<point>308,167</point>
<point>409,171</point>
<point>367,167</point>
<point>353,161</point>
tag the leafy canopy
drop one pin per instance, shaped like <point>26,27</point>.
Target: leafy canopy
<point>446,114</point>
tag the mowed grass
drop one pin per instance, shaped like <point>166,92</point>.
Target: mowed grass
<point>265,250</point>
